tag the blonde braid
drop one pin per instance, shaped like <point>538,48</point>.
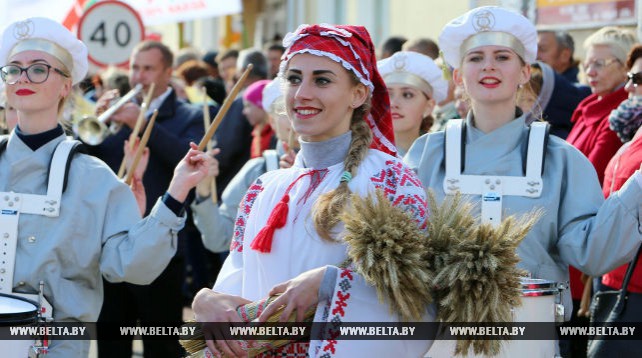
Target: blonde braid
<point>329,205</point>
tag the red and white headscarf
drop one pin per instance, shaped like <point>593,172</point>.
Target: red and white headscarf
<point>351,47</point>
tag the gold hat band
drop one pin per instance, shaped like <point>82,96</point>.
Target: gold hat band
<point>492,38</point>
<point>407,78</point>
<point>45,46</point>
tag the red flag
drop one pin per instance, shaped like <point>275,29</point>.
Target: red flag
<point>72,18</point>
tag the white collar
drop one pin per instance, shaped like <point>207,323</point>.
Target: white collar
<point>156,102</point>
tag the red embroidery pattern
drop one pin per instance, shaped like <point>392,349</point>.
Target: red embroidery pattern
<point>295,349</point>
<point>341,303</point>
<point>241,220</point>
<point>330,344</point>
<point>345,284</point>
<point>396,176</point>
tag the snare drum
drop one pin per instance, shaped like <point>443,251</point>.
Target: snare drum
<point>16,311</point>
<point>539,304</point>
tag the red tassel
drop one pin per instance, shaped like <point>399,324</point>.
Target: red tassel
<point>279,216</point>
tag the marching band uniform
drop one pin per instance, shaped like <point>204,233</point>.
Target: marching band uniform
<point>577,226</point>
<point>97,233</point>
<point>93,228</point>
<point>319,168</point>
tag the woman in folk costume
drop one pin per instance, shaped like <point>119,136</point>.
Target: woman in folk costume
<point>66,219</point>
<point>415,85</point>
<point>510,168</point>
<point>287,237</point>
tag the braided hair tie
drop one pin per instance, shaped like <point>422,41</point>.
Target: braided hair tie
<point>346,177</point>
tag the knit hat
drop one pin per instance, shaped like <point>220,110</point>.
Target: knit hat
<point>254,92</point>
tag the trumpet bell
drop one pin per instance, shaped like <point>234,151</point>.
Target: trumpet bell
<point>91,130</point>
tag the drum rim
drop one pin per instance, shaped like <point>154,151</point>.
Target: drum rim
<point>536,293</point>
<point>538,284</point>
<point>19,317</point>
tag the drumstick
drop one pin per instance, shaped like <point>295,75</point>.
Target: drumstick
<point>206,120</point>
<point>224,108</point>
<point>141,147</point>
<point>139,123</point>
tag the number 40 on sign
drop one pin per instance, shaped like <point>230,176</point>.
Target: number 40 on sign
<point>110,29</point>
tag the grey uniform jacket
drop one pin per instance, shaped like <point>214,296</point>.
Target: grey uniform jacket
<point>216,223</point>
<point>578,228</point>
<point>99,232</point>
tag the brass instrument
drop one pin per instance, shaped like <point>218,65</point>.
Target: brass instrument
<point>93,130</point>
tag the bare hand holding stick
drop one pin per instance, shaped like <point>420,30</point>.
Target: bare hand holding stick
<point>139,123</point>
<point>141,147</point>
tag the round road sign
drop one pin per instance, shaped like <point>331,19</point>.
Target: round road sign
<point>110,29</point>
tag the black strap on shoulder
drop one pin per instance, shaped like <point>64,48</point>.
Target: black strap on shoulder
<point>78,147</point>
<point>3,143</point>
<point>525,149</point>
<point>463,146</point>
<point>548,130</point>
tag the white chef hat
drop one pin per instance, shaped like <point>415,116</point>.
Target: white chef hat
<point>46,35</point>
<point>488,25</point>
<point>414,69</point>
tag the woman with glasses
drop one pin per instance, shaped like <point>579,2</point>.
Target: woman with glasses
<point>66,220</point>
<point>626,121</point>
<point>485,157</point>
<point>605,71</point>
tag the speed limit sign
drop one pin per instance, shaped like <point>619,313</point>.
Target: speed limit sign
<point>110,29</point>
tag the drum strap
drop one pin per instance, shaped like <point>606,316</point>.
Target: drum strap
<point>493,188</point>
<point>3,143</point>
<point>12,205</point>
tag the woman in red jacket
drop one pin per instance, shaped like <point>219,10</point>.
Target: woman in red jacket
<point>605,70</point>
<point>625,121</point>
